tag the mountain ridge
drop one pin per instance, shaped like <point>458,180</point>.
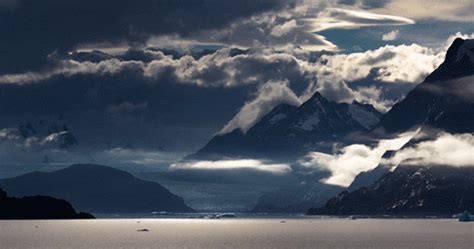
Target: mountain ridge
<point>295,130</point>
<point>442,103</point>
<point>409,190</point>
<point>98,189</point>
<point>441,100</point>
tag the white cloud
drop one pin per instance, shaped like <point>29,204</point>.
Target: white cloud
<point>391,36</point>
<point>403,64</point>
<point>446,149</point>
<point>284,29</point>
<point>269,29</point>
<point>332,74</point>
<point>453,10</point>
<point>69,68</point>
<point>296,26</point>
<point>216,69</point>
<point>121,155</point>
<point>177,43</point>
<point>353,159</point>
<point>235,165</point>
<point>332,18</point>
<point>269,95</point>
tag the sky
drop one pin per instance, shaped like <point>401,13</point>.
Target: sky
<point>148,82</point>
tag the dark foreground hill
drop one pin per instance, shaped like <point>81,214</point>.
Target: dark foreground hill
<point>409,190</point>
<point>37,207</point>
<point>98,189</point>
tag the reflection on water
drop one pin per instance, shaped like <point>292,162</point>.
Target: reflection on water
<point>236,233</point>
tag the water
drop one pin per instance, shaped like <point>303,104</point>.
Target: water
<point>237,233</point>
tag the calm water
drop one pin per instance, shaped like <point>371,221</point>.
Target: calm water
<point>237,233</point>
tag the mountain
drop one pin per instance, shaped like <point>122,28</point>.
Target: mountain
<point>98,189</point>
<point>285,134</point>
<point>408,190</point>
<point>443,100</point>
<point>294,130</point>
<point>37,207</point>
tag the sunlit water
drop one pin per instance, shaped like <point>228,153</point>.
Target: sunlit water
<point>237,233</point>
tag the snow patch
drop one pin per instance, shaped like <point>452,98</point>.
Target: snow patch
<point>310,122</point>
<point>275,119</point>
<point>365,118</point>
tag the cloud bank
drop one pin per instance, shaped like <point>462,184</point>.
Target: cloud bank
<point>235,165</point>
<point>351,160</point>
<point>445,150</point>
<point>306,72</point>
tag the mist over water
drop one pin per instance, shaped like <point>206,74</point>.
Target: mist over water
<point>237,233</point>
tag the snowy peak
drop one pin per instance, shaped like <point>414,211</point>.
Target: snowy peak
<point>278,114</point>
<point>318,115</point>
<point>459,62</point>
<point>443,101</point>
<point>300,129</point>
<point>366,115</point>
<point>466,50</point>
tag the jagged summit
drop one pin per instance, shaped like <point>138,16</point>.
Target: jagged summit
<point>444,100</point>
<point>293,129</point>
<point>459,62</point>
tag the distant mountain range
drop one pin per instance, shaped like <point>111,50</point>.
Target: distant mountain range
<point>294,130</point>
<point>287,133</point>
<point>443,101</point>
<point>97,189</point>
<point>409,190</point>
<point>37,207</point>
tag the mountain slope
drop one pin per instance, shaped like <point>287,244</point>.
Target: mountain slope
<point>443,100</point>
<point>293,129</point>
<point>409,190</point>
<point>97,189</point>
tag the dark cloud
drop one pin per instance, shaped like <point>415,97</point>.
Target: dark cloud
<point>368,4</point>
<point>107,111</point>
<point>32,29</point>
<point>156,100</point>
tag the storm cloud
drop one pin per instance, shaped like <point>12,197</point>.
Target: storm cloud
<point>60,25</point>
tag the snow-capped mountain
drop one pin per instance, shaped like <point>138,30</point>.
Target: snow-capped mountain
<point>409,190</point>
<point>38,140</point>
<point>292,129</point>
<point>41,136</point>
<point>443,100</point>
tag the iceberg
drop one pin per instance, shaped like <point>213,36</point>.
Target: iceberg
<point>466,217</point>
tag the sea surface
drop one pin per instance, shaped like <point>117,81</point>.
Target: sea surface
<point>243,233</point>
